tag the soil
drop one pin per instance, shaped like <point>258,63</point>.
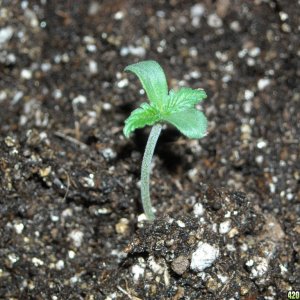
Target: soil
<point>227,206</point>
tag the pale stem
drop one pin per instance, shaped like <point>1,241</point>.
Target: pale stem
<point>146,169</point>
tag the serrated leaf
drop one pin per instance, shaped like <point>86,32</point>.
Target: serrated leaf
<point>191,122</point>
<point>184,98</point>
<point>140,117</point>
<point>153,80</point>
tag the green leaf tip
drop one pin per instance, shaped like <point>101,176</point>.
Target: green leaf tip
<point>153,80</point>
<point>175,107</point>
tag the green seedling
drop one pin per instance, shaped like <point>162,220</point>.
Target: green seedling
<point>174,107</point>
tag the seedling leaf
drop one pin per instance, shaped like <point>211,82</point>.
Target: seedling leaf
<point>140,117</point>
<point>153,80</point>
<point>191,122</point>
<point>184,98</point>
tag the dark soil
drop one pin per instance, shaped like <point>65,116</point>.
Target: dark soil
<point>228,205</point>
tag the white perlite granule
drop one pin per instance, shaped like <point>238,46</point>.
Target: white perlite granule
<point>137,272</point>
<point>203,257</point>
<point>198,209</point>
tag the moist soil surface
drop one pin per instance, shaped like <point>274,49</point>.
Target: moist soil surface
<point>227,206</point>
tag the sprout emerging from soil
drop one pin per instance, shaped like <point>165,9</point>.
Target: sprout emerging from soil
<point>174,107</point>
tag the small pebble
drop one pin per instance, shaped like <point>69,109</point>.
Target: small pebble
<point>122,227</point>
<point>94,8</point>
<point>214,21</point>
<point>223,278</point>
<point>109,154</point>
<point>88,181</point>
<point>13,258</point>
<point>250,61</point>
<point>263,83</point>
<point>233,232</point>
<point>248,94</point>
<point>122,83</point>
<point>104,211</point>
<point>247,107</point>
<point>26,74</point>
<point>67,213</point>
<point>9,141</point>
<point>195,74</point>
<point>57,94</point>
<point>192,174</point>
<point>135,51</point>
<point>283,16</point>
<point>91,48</point>
<point>74,279</point>
<point>141,218</point>
<point>3,96</point>
<point>253,52</point>
<point>245,128</point>
<point>180,264</point>
<point>93,67</point>
<point>230,248</point>
<point>45,67</point>
<point>180,224</point>
<point>37,262</point>
<point>60,265</point>
<point>6,34</point>
<point>54,218</point>
<point>193,52</point>
<point>197,10</point>
<point>71,254</point>
<point>261,144</point>
<point>19,228</point>
<point>160,13</point>
<point>272,188</point>
<point>44,172</point>
<point>235,26</point>
<point>107,106</point>
<point>77,237</point>
<point>286,27</point>
<point>119,15</point>
<point>212,284</point>
<point>259,159</point>
<point>80,99</point>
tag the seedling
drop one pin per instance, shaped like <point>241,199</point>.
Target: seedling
<point>175,107</point>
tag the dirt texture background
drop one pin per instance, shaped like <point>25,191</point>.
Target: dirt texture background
<point>228,205</point>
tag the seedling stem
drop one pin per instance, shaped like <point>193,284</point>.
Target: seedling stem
<point>146,170</point>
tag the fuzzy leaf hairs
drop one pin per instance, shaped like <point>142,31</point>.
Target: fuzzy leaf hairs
<point>174,107</point>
